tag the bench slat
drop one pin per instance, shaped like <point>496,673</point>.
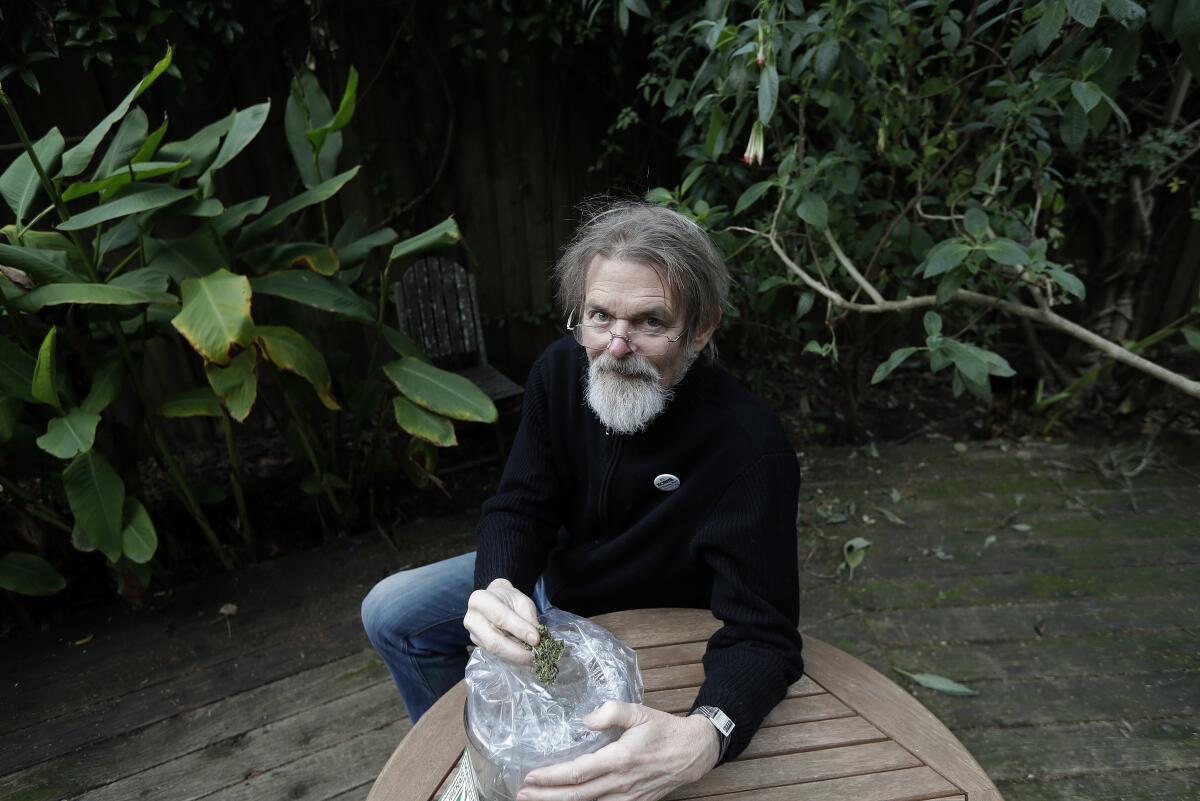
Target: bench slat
<point>680,700</point>
<point>810,707</point>
<point>909,784</point>
<point>811,736</point>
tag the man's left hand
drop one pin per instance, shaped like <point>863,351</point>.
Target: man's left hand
<point>657,753</point>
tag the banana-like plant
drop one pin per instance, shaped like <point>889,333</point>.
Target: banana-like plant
<point>94,270</point>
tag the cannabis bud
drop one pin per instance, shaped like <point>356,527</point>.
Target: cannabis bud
<point>545,655</point>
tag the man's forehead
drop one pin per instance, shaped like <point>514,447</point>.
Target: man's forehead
<point>631,283</point>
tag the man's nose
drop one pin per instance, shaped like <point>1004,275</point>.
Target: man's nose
<point>618,346</point>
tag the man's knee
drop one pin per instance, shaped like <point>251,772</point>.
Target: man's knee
<point>383,610</point>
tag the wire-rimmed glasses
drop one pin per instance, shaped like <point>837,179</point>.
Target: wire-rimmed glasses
<point>640,338</point>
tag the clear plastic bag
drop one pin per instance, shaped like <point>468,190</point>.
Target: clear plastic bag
<point>514,724</point>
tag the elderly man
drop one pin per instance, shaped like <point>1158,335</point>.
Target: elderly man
<point>642,475</point>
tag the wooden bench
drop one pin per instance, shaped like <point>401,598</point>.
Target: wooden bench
<point>844,732</point>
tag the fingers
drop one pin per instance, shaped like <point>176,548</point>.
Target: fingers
<point>614,713</point>
<point>590,776</point>
<point>493,623</point>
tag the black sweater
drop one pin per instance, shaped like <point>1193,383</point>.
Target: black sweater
<point>580,505</point>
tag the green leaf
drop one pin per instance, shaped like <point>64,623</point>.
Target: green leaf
<point>951,282</point>
<point>235,215</point>
<point>933,323</point>
<point>945,256</point>
<point>244,125</point>
<point>216,314</point>
<point>1006,251</point>
<point>148,280</point>
<point>768,93</point>
<point>1085,12</point>
<point>43,386</point>
<point>192,256</point>
<point>308,107</point>
<point>424,425</point>
<point>1068,282</point>
<point>826,59</point>
<point>16,371</point>
<point>855,550</point>
<point>968,362</point>
<point>312,256</point>
<point>200,148</point>
<point>153,197</point>
<point>237,384</point>
<point>440,391</point>
<point>106,385</point>
<point>138,539</point>
<point>68,436</point>
<point>1087,94</point>
<point>638,7</point>
<point>277,215</point>
<point>29,574</point>
<point>86,294</point>
<point>125,144</point>
<point>813,210</point>
<point>96,496</point>
<point>1072,127</point>
<point>939,683</point>
<point>895,360</point>
<point>314,290</point>
<point>150,146</point>
<point>110,185</point>
<point>20,183</point>
<point>10,415</point>
<point>976,222</point>
<point>1192,335</point>
<point>1051,22</point>
<point>399,342</point>
<point>316,136</point>
<point>43,266</point>
<point>289,350</point>
<point>752,194</point>
<point>442,235</point>
<point>200,402</point>
<point>77,158</point>
<point>354,252</point>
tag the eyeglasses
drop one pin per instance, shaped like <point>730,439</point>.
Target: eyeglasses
<point>597,335</point>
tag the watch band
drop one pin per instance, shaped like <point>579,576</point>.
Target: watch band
<point>721,722</point>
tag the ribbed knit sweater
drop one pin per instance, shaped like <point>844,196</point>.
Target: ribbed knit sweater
<point>580,505</point>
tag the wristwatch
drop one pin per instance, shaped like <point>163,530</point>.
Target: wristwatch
<point>721,721</point>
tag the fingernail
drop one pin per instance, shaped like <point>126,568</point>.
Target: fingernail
<point>531,638</point>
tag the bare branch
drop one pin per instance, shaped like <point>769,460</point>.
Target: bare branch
<point>846,263</point>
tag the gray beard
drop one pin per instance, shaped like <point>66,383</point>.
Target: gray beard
<point>626,394</point>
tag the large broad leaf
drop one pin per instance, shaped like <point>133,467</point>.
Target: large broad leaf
<point>235,215</point>
<point>43,266</point>
<point>87,294</point>
<point>440,391</point>
<point>442,235</point>
<point>354,252</point>
<point>121,235</point>
<point>345,112</point>
<point>945,256</point>
<point>29,574</point>
<point>399,342</point>
<point>192,256</point>
<point>314,290</point>
<point>289,350</point>
<point>109,186</point>
<point>895,360</point>
<point>425,425</point>
<point>20,183</point>
<point>44,385</point>
<point>10,415</point>
<point>125,144</point>
<point>313,256</point>
<point>200,148</point>
<point>202,402</point>
<point>148,280</point>
<point>216,314</point>
<point>237,384</point>
<point>150,147</point>
<point>813,210</point>
<point>277,215</point>
<point>308,108</point>
<point>151,196</point>
<point>106,385</point>
<point>244,125</point>
<point>96,495</point>
<point>138,540</point>
<point>16,371</point>
<point>1085,12</point>
<point>66,437</point>
<point>77,158</point>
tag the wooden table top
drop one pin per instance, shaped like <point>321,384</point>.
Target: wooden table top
<point>844,732</point>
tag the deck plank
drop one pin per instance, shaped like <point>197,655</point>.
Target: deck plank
<point>905,784</point>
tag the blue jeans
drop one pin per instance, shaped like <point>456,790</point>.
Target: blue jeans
<point>414,619</point>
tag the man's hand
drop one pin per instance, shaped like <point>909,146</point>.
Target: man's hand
<point>498,614</point>
<point>657,753</point>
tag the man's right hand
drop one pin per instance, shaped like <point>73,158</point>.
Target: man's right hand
<point>498,614</point>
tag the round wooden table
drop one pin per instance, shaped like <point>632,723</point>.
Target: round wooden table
<point>844,732</point>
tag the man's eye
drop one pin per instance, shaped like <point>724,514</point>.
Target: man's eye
<point>599,317</point>
<point>652,322</point>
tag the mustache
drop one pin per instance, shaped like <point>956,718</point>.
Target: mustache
<point>633,366</point>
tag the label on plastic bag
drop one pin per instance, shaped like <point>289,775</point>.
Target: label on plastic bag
<point>462,786</point>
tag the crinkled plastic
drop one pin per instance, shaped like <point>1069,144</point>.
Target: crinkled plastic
<point>514,724</point>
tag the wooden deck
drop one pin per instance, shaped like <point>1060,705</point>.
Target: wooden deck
<point>1079,625</point>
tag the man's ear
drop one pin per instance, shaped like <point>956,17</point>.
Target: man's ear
<point>701,339</point>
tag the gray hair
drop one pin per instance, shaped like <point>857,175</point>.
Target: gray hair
<point>644,233</point>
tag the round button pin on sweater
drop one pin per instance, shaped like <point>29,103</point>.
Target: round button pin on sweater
<point>667,482</point>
